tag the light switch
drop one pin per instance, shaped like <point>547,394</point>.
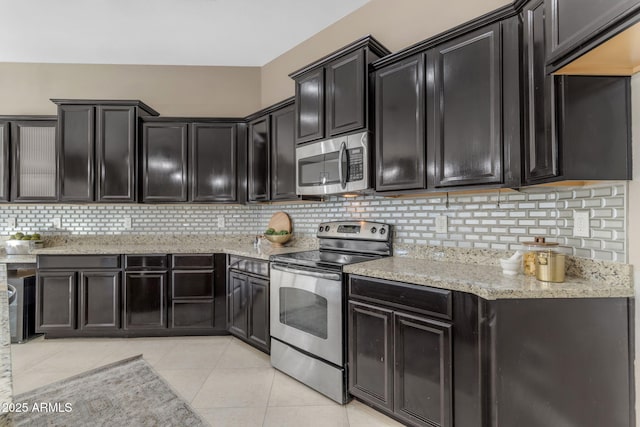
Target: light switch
<point>11,222</point>
<point>220,221</point>
<point>56,222</point>
<point>581,224</point>
<point>442,225</point>
<point>126,223</point>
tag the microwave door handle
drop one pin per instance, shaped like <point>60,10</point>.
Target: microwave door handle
<point>342,160</point>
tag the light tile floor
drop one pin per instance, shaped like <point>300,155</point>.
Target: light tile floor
<point>227,382</point>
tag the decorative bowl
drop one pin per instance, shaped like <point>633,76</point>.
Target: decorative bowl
<point>277,240</point>
<point>511,267</point>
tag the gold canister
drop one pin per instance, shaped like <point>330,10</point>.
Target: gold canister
<point>532,248</point>
<point>550,266</point>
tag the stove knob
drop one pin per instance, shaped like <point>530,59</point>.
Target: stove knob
<point>321,229</point>
<point>326,228</point>
<point>383,230</point>
<point>373,230</point>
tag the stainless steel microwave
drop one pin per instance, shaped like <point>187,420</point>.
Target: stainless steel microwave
<point>333,166</point>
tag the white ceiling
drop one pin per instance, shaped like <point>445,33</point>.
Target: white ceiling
<point>167,32</point>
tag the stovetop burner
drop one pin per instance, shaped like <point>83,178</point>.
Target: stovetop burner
<point>326,259</point>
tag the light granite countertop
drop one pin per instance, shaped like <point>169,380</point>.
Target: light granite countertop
<point>486,281</point>
<point>264,251</point>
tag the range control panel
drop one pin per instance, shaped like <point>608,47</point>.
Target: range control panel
<point>355,230</point>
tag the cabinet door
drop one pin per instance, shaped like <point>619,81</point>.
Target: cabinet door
<point>468,109</point>
<point>238,304</point>
<point>35,174</point>
<point>214,158</point>
<point>283,155</point>
<point>145,300</point>
<point>259,160</point>
<point>116,148</point>
<point>100,300</point>
<point>541,142</point>
<point>310,106</point>
<point>76,138</point>
<point>400,126</point>
<point>346,93</point>
<point>422,380</point>
<point>164,162</point>
<point>370,354</point>
<point>571,22</point>
<point>258,331</point>
<point>55,301</point>
<point>4,161</point>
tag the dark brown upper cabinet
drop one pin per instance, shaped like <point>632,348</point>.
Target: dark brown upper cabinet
<point>164,162</point>
<point>258,159</point>
<point>400,125</point>
<point>271,172</point>
<point>34,161</point>
<point>575,26</point>
<point>214,162</point>
<point>332,93</point>
<point>98,144</point>
<point>283,150</point>
<point>576,127</point>
<point>541,144</point>
<point>346,98</point>
<point>310,106</point>
<point>467,103</point>
<point>4,160</point>
<point>192,160</point>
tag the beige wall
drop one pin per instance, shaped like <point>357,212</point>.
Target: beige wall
<point>171,90</point>
<point>395,23</point>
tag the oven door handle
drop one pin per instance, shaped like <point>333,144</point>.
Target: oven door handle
<point>342,167</point>
<point>298,270</point>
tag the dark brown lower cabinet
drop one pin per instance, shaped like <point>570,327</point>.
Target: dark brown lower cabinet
<point>238,301</point>
<point>145,295</point>
<point>249,309</point>
<point>56,301</point>
<point>432,357</point>
<point>422,381</point>
<point>371,354</point>
<point>192,299</point>
<point>99,300</point>
<point>401,363</point>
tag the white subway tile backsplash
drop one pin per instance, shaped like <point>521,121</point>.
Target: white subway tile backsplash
<point>498,221</point>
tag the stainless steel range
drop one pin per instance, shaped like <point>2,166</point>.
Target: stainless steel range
<point>308,303</point>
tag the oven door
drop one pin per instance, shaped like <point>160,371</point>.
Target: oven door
<point>306,310</point>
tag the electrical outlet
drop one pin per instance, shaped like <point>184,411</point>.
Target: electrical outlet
<point>442,225</point>
<point>56,222</point>
<point>220,222</point>
<point>581,224</point>
<point>11,222</point>
<point>126,223</point>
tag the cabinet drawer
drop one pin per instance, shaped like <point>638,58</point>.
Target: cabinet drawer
<point>249,265</point>
<point>192,261</point>
<point>146,262</point>
<point>416,298</point>
<point>192,314</point>
<point>78,262</point>
<point>192,284</point>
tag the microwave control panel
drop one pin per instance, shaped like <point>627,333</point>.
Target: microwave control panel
<point>356,164</point>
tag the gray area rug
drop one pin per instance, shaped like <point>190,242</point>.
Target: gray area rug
<point>125,393</point>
